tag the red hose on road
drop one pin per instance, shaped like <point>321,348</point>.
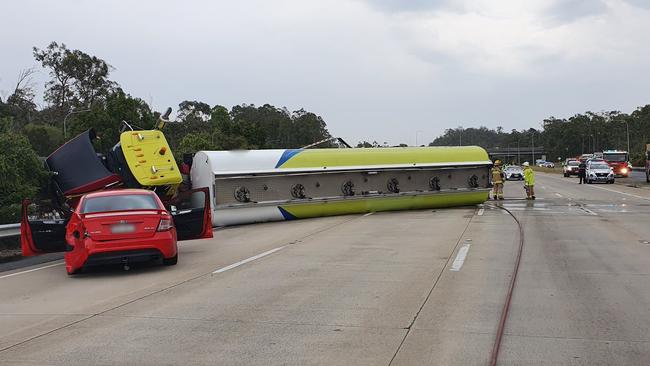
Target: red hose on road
<point>506,305</point>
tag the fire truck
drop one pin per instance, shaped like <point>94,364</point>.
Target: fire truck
<point>619,161</point>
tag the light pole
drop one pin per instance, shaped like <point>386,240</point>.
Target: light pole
<point>518,154</point>
<point>627,130</point>
<point>65,130</point>
<point>532,139</point>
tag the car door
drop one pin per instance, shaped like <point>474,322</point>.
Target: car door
<point>42,228</point>
<point>191,213</point>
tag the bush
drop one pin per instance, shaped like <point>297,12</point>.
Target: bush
<point>44,138</point>
<point>22,175</point>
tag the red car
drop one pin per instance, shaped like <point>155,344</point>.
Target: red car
<point>116,227</point>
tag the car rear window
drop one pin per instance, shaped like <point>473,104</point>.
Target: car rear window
<point>119,203</point>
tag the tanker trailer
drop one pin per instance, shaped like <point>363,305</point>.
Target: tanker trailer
<point>248,186</point>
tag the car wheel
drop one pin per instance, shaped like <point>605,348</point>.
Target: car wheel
<point>170,261</point>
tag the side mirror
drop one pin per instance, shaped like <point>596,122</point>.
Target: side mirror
<point>173,209</point>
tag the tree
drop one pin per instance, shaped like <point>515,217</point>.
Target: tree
<point>43,138</point>
<point>107,118</point>
<point>78,79</point>
<point>193,142</point>
<point>22,175</point>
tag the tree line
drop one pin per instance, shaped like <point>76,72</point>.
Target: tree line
<point>566,137</point>
<point>79,95</point>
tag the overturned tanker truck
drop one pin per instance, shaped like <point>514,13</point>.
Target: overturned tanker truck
<point>249,186</point>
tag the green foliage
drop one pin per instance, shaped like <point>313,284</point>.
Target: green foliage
<point>43,138</point>
<point>22,175</point>
<point>583,133</point>
<point>107,119</point>
<point>193,142</point>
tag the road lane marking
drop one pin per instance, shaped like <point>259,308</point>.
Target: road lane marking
<point>559,195</point>
<point>460,258</point>
<point>368,214</point>
<point>31,270</point>
<point>481,211</point>
<point>235,265</point>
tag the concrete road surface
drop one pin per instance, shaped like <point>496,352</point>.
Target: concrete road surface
<point>401,288</point>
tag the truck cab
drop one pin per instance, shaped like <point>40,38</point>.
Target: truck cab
<point>619,162</point>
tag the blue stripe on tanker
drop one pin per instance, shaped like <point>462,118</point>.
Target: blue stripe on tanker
<point>286,155</point>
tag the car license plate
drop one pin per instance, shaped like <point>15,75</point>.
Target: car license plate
<point>122,228</point>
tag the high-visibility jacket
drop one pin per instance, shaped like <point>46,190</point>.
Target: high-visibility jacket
<point>529,176</point>
<point>497,175</point>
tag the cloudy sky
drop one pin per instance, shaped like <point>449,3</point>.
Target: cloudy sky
<point>385,70</point>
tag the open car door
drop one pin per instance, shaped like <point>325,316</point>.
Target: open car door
<point>192,214</point>
<point>42,228</point>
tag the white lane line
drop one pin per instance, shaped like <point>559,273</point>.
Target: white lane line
<point>481,211</point>
<point>460,258</point>
<point>31,270</point>
<point>559,195</point>
<point>235,265</point>
<point>368,214</point>
<point>615,191</point>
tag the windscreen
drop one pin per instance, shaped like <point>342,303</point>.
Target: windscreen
<point>574,163</point>
<point>619,158</point>
<point>120,203</point>
<point>600,166</point>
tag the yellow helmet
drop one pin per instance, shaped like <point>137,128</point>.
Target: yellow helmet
<point>497,162</point>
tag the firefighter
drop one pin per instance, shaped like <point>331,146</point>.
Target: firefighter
<point>529,181</point>
<point>497,180</point>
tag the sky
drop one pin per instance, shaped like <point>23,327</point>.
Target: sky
<point>377,70</point>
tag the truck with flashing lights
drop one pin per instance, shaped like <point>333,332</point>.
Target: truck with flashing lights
<point>619,161</point>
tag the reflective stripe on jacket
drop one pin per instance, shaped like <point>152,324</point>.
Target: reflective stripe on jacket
<point>497,175</point>
<point>529,176</point>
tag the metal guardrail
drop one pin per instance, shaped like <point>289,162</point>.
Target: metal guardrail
<point>8,230</point>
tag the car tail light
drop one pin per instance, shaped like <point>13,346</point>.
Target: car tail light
<point>166,223</point>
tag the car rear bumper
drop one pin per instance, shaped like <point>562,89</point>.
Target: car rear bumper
<point>161,245</point>
<point>123,257</point>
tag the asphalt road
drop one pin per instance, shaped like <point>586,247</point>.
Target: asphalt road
<point>402,288</point>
